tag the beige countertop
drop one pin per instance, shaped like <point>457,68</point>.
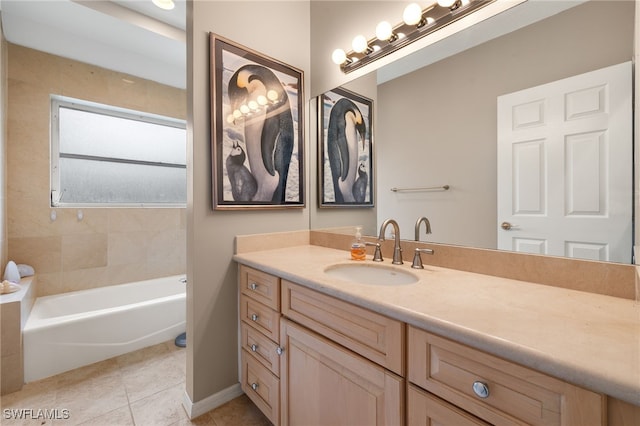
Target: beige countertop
<point>587,339</point>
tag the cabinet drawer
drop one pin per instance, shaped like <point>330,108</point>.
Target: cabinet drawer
<point>260,286</point>
<point>261,386</point>
<point>367,333</point>
<point>261,317</point>
<point>261,348</point>
<point>516,394</point>
<point>425,409</point>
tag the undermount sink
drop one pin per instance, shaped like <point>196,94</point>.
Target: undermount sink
<point>370,273</point>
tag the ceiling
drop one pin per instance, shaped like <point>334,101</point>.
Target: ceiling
<point>130,36</point>
<point>135,37</point>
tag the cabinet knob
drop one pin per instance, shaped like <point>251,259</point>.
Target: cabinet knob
<point>279,350</point>
<point>254,347</point>
<point>481,389</point>
<point>254,386</point>
<point>253,286</point>
<point>254,317</point>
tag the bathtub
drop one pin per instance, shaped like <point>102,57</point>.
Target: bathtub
<point>69,330</point>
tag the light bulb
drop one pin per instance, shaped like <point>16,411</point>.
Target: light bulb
<point>272,95</point>
<point>384,31</point>
<point>359,44</point>
<point>164,4</point>
<point>253,105</point>
<point>338,56</point>
<point>412,14</point>
<point>262,100</point>
<point>446,3</point>
<point>244,109</point>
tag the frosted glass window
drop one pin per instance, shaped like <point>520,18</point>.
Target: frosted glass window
<point>103,155</point>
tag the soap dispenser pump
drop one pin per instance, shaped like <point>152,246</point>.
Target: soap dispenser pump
<point>358,248</point>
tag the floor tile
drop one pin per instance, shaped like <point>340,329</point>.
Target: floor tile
<point>120,417</point>
<point>160,409</point>
<point>145,387</point>
<point>239,411</point>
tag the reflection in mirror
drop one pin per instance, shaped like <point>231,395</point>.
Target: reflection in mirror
<point>438,125</point>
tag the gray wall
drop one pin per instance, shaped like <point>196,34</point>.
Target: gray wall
<point>279,30</point>
<point>437,125</point>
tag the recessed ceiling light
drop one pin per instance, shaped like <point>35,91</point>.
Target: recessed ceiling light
<point>164,4</point>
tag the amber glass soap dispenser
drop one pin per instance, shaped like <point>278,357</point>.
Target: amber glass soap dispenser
<point>358,248</point>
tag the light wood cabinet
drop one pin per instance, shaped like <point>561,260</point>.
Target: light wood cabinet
<point>323,383</point>
<point>260,337</point>
<point>311,359</point>
<point>374,336</point>
<point>424,408</point>
<point>496,390</point>
<point>333,366</point>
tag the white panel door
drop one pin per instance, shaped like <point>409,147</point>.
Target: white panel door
<point>565,162</point>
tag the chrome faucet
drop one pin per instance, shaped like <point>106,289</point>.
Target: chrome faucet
<point>417,260</point>
<point>397,250</point>
<point>427,225</point>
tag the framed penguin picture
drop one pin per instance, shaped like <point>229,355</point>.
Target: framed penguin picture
<point>257,129</point>
<point>345,149</point>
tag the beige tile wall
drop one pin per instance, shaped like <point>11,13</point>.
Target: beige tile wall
<point>109,245</point>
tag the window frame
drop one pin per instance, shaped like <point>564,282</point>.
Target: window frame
<point>57,102</point>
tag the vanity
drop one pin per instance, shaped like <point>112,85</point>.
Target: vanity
<point>449,346</point>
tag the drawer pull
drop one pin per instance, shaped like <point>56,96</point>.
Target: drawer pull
<point>254,347</point>
<point>254,386</point>
<point>253,286</point>
<point>481,389</point>
<point>254,317</point>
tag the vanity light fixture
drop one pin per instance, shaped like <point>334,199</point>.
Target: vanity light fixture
<point>416,23</point>
<point>164,4</point>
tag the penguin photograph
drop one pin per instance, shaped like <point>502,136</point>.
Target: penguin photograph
<point>257,130</point>
<point>345,160</point>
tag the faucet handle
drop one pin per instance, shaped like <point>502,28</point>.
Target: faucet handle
<point>377,254</point>
<point>417,260</point>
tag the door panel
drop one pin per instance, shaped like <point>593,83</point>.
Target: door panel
<point>565,162</point>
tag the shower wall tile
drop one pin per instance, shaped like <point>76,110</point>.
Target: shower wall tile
<point>130,272</point>
<point>109,245</point>
<point>82,279</point>
<point>128,247</point>
<point>43,253</point>
<point>84,251</point>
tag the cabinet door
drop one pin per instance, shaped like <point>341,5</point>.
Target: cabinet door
<point>325,384</point>
<point>426,409</point>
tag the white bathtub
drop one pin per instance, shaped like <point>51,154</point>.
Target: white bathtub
<point>69,330</point>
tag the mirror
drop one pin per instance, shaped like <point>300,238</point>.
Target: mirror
<point>449,137</point>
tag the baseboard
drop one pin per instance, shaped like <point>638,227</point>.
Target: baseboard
<point>209,403</point>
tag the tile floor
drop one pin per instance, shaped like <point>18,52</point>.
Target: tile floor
<point>141,388</point>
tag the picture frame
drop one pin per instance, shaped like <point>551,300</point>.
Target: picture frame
<point>345,126</point>
<point>257,128</point>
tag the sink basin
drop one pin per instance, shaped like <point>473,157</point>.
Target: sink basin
<point>370,273</point>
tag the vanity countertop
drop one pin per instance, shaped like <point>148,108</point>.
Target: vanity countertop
<point>587,339</point>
